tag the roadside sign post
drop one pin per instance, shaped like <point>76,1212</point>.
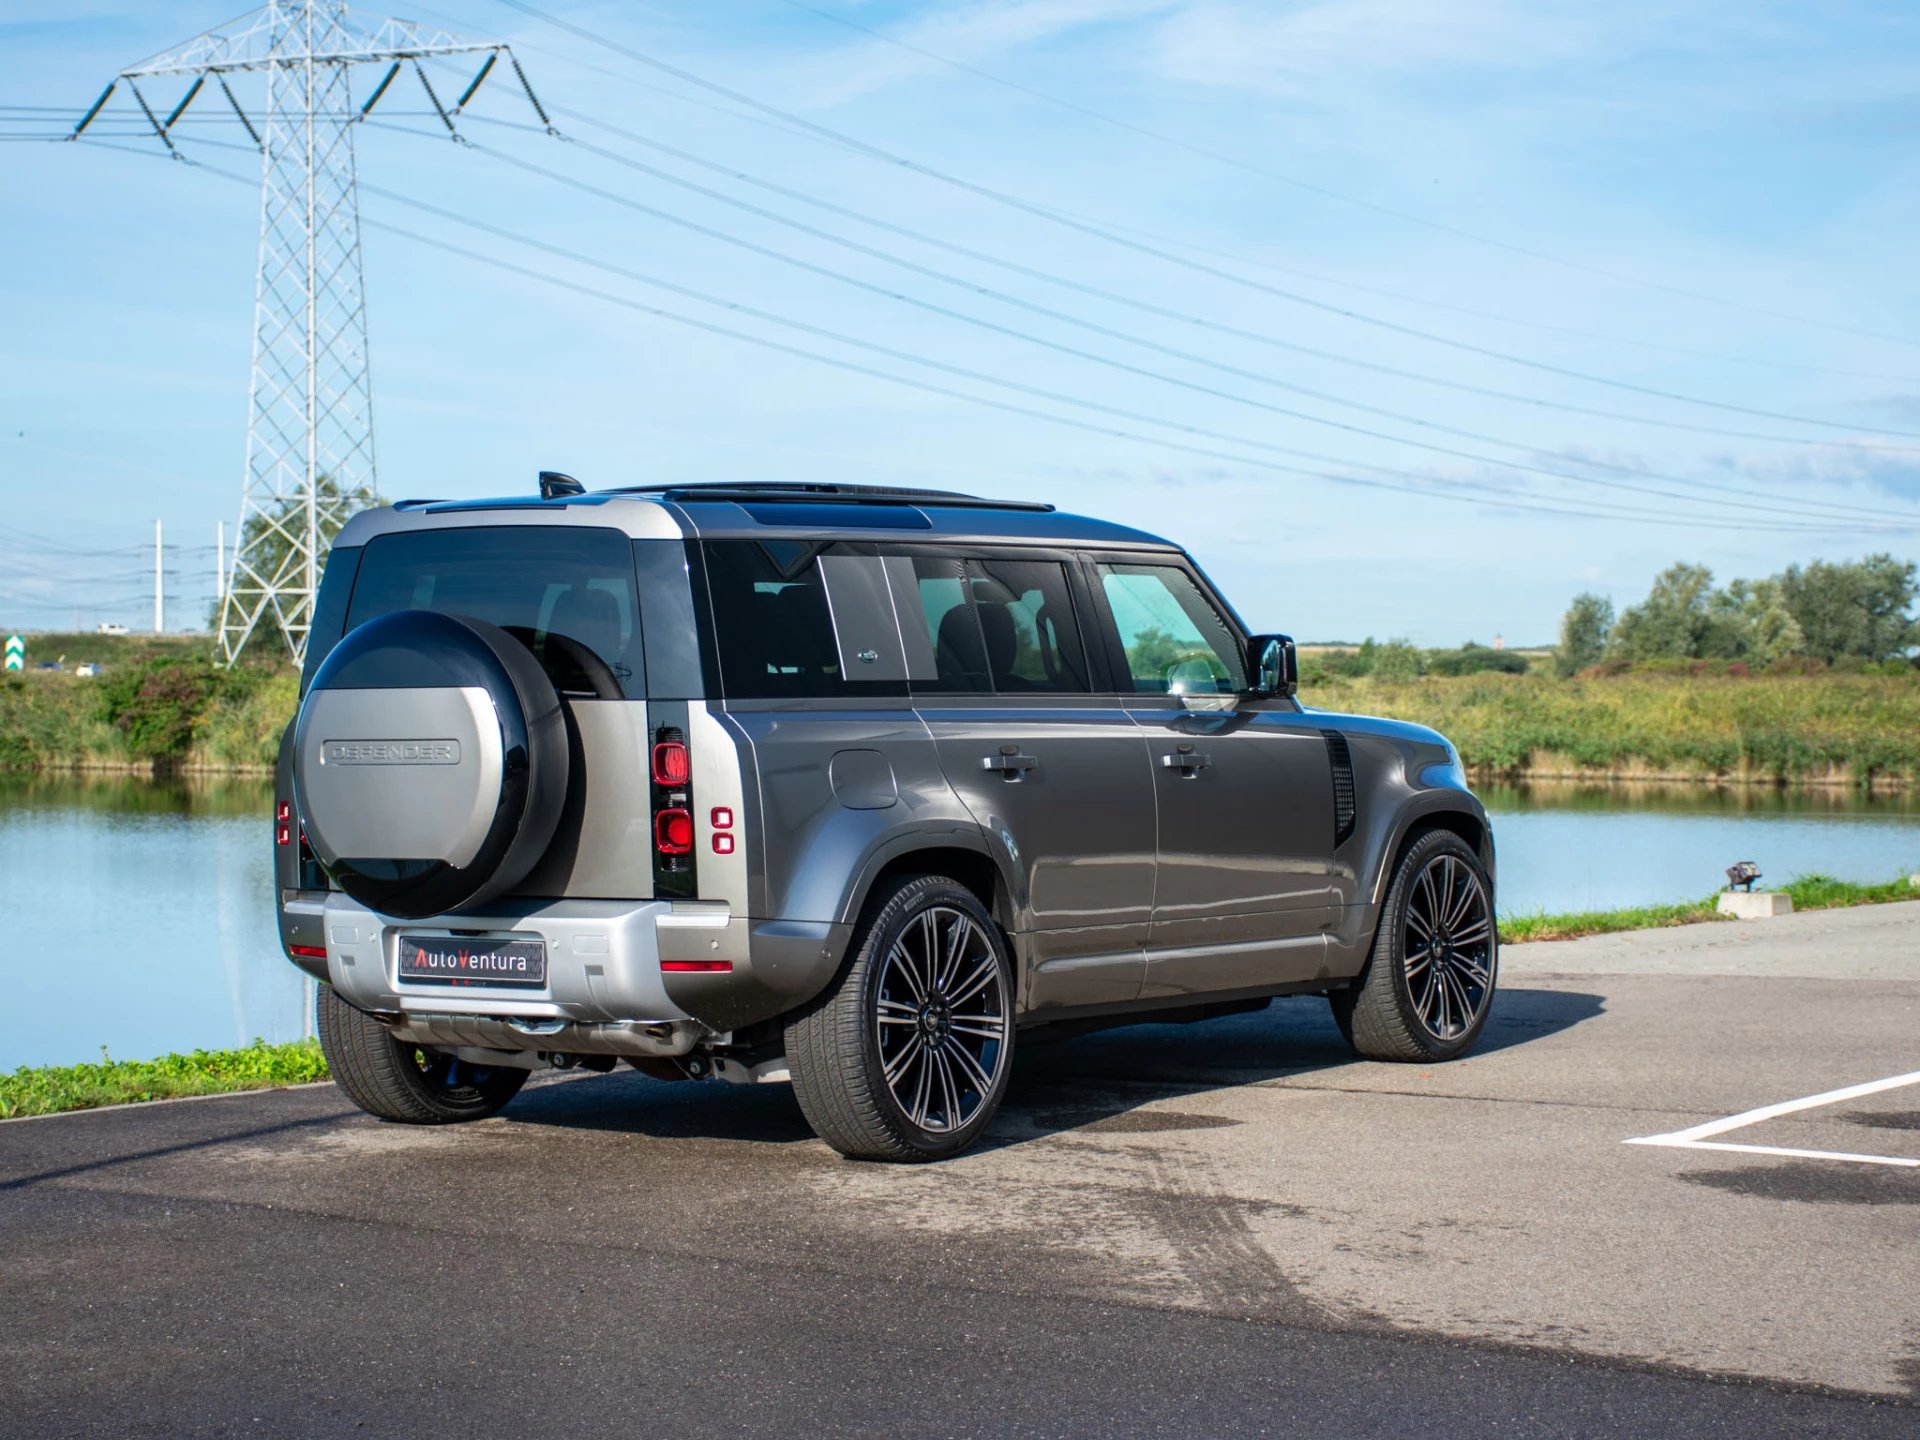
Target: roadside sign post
<point>16,652</point>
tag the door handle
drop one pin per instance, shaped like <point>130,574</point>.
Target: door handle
<point>1188,762</point>
<point>1010,766</point>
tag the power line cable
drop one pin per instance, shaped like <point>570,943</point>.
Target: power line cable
<point>1720,492</point>
<point>733,172</point>
<point>1424,485</point>
<point>1099,232</point>
<point>1308,186</point>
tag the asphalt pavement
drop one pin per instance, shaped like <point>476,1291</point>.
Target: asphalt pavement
<point>1230,1228</point>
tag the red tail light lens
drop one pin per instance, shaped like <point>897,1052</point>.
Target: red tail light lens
<point>308,952</point>
<point>673,832</point>
<point>283,835</point>
<point>698,967</point>
<point>671,764</point>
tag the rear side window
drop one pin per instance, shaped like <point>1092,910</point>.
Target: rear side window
<point>566,592</point>
<point>802,621</point>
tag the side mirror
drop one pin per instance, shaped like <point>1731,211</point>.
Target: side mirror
<point>1273,665</point>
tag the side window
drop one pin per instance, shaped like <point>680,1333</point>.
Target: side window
<point>931,594</point>
<point>1031,638</point>
<point>803,622</point>
<point>1176,642</point>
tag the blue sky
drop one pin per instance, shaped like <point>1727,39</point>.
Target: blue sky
<point>1761,154</point>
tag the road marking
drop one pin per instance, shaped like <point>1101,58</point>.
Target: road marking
<point>1698,1137</point>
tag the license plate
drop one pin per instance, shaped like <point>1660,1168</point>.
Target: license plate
<point>459,960</point>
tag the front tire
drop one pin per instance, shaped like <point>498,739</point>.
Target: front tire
<point>397,1080</point>
<point>907,1056</point>
<point>1429,982</point>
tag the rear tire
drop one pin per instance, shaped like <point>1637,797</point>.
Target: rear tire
<point>1429,982</point>
<point>906,1056</point>
<point>396,1080</point>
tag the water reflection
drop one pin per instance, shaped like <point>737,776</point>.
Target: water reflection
<point>1595,847</point>
<point>140,918</point>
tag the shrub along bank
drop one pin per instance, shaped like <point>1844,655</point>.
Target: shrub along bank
<point>1825,727</point>
<point>160,713</point>
<point>180,712</point>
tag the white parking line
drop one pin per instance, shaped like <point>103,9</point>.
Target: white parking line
<point>1699,1136</point>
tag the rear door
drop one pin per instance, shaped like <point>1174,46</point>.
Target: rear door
<point>1055,773</point>
<point>1245,883</point>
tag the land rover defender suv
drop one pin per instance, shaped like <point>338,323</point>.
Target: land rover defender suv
<point>846,786</point>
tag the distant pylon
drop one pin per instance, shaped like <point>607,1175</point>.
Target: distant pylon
<point>310,459</point>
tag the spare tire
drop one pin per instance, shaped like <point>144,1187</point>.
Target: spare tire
<point>430,763</point>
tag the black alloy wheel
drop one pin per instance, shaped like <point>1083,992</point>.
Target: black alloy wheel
<point>907,1055</point>
<point>1429,982</point>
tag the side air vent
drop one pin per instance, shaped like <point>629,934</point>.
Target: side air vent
<point>1345,811</point>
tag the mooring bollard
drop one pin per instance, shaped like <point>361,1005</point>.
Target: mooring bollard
<point>1743,902</point>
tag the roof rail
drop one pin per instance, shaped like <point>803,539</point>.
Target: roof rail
<point>775,492</point>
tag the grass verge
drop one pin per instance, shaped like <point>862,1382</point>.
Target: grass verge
<point>50,1089</point>
<point>1809,892</point>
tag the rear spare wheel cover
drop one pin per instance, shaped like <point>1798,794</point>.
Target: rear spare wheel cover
<point>430,763</point>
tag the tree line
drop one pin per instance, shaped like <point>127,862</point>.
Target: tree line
<point>1847,614</point>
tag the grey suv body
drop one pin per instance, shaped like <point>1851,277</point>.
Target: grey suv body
<point>844,786</point>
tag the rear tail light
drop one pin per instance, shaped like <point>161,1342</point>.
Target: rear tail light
<point>672,766</point>
<point>308,952</point>
<point>698,967</point>
<point>283,823</point>
<point>673,832</point>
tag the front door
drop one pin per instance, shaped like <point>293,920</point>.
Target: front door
<point>1245,885</point>
<point>1056,776</point>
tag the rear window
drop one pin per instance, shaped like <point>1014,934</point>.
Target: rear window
<point>567,592</point>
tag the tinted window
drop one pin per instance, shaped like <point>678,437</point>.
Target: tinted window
<point>566,592</point>
<point>802,621</point>
<point>1176,642</point>
<point>936,605</point>
<point>1026,620</point>
<point>330,608</point>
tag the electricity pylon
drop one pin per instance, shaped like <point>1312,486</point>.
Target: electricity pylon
<point>310,413</point>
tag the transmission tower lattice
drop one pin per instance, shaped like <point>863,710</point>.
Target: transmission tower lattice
<point>310,459</point>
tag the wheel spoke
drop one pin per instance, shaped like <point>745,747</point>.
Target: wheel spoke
<point>958,933</point>
<point>1472,933</point>
<point>1417,921</point>
<point>1468,893</point>
<point>1427,999</point>
<point>929,928</point>
<point>1476,970</point>
<point>923,1089</point>
<point>949,1090</point>
<point>975,1074</point>
<point>1432,906</point>
<point>897,1066</point>
<point>987,970</point>
<point>1417,962</point>
<point>900,962</point>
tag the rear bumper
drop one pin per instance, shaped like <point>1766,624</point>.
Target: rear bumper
<point>604,991</point>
